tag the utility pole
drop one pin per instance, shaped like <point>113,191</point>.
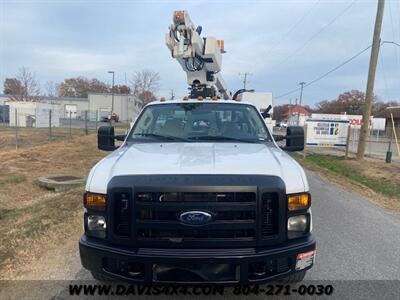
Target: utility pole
<point>245,74</point>
<point>371,80</point>
<point>301,90</point>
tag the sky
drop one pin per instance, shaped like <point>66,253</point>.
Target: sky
<point>280,43</point>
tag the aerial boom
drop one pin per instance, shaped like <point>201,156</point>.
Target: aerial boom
<point>200,58</point>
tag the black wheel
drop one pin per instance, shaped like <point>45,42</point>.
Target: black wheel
<point>100,277</point>
<point>295,277</point>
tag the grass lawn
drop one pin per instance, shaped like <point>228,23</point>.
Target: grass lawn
<point>378,176</point>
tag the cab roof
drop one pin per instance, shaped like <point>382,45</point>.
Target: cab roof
<point>219,101</point>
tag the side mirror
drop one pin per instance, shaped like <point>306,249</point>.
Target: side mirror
<point>106,138</point>
<point>294,139</point>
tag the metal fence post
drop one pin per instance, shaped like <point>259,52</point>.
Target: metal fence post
<point>389,150</point>
<point>97,117</point>
<point>305,141</point>
<point>70,121</point>
<point>395,134</point>
<point>346,155</point>
<point>86,122</point>
<point>16,129</point>
<point>50,124</point>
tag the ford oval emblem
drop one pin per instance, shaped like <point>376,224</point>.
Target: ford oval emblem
<point>195,217</point>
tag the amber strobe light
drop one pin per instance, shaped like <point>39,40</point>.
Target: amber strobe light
<point>298,201</point>
<point>95,201</point>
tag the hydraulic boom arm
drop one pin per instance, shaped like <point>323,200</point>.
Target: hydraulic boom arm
<point>200,58</point>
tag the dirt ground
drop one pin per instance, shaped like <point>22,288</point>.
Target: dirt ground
<point>21,169</point>
<point>33,221</point>
<point>378,169</point>
<point>29,137</point>
<point>373,169</point>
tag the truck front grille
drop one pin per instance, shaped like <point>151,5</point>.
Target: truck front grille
<point>174,197</point>
<point>122,212</point>
<point>157,216</point>
<point>237,217</point>
<point>269,212</point>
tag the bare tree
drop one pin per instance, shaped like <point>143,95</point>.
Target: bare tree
<point>24,87</point>
<point>145,84</point>
<point>51,89</point>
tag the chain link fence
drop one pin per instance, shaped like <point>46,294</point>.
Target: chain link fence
<point>23,128</point>
<point>378,143</point>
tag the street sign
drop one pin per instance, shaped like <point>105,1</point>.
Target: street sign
<point>326,133</point>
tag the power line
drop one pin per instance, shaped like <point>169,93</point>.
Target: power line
<point>390,42</point>
<point>334,69</point>
<point>398,15</point>
<point>317,33</point>
<point>245,75</point>
<point>292,28</point>
<point>326,74</point>
<point>338,67</point>
<point>393,33</point>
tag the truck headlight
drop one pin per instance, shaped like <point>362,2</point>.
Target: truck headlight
<point>298,201</point>
<point>297,223</point>
<point>96,226</point>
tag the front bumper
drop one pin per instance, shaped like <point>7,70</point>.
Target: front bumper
<point>193,266</point>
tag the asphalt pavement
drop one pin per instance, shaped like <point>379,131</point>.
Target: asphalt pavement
<point>356,239</point>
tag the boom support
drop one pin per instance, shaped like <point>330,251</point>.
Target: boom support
<point>200,58</point>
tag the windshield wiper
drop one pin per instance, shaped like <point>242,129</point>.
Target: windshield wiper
<point>222,138</point>
<point>160,136</point>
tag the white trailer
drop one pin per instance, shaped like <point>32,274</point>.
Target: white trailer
<point>262,100</point>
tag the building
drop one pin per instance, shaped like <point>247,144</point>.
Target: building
<point>4,109</point>
<point>3,99</point>
<point>34,114</point>
<point>126,106</point>
<point>95,107</point>
<point>98,106</point>
<point>389,123</point>
<point>70,107</point>
<point>297,115</point>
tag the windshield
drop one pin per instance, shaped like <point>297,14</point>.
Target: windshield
<point>200,122</point>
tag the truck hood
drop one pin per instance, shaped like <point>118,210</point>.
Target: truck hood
<point>198,158</point>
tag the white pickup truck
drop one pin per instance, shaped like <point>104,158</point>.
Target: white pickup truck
<point>198,192</point>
